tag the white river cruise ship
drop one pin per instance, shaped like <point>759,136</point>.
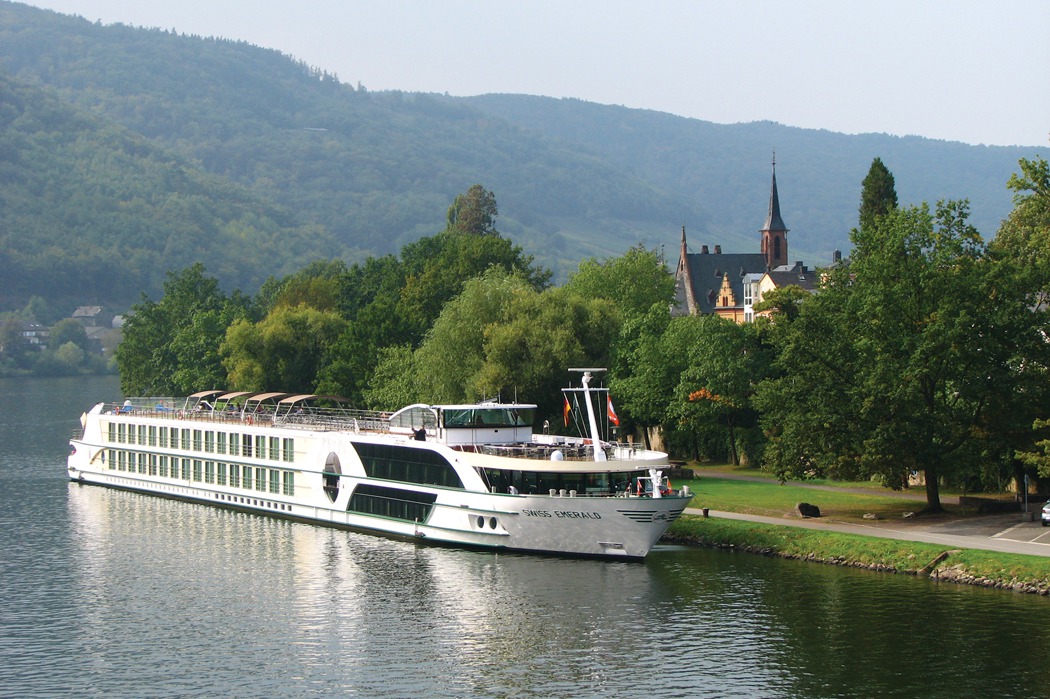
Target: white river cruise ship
<point>468,475</point>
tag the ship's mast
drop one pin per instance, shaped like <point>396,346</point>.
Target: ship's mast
<point>592,420</point>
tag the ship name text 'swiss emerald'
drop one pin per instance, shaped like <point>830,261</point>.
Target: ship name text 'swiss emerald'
<point>469,475</point>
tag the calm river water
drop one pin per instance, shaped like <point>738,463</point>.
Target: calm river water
<point>113,594</point>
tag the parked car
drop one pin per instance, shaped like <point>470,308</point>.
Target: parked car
<point>1046,514</point>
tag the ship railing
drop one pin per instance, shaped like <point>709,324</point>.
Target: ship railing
<point>327,419</point>
<point>569,450</point>
<point>565,450</point>
<point>336,419</point>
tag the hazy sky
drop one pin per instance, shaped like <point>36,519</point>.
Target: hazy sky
<point>961,70</point>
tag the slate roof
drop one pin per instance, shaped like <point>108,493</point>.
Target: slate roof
<point>87,311</point>
<point>774,222</point>
<point>706,271</point>
<point>797,275</point>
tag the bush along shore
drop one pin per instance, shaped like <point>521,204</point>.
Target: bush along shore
<point>1007,571</point>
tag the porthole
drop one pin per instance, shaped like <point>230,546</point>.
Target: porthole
<point>332,471</point>
<point>492,522</point>
<point>481,522</point>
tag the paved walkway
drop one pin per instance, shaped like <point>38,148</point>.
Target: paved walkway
<point>1011,533</point>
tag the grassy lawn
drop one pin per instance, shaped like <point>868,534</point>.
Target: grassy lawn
<point>752,472</point>
<point>763,494</point>
<point>769,498</point>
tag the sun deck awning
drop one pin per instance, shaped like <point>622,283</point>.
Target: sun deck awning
<point>291,400</point>
<point>260,397</point>
<point>236,394</point>
<point>206,394</point>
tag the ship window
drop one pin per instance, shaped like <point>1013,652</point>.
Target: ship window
<point>185,467</point>
<point>186,440</point>
<point>235,443</point>
<point>152,464</point>
<point>220,443</point>
<point>391,502</point>
<point>209,441</point>
<point>542,482</point>
<point>164,467</point>
<point>411,465</point>
<point>198,442</point>
<point>289,482</point>
<point>209,471</point>
<point>332,471</point>
<point>221,475</point>
<point>260,478</point>
<point>153,435</point>
<point>289,450</point>
<point>488,417</point>
<point>235,476</point>
<point>246,444</point>
<point>197,463</point>
<point>111,432</point>
<point>142,435</point>
<point>275,481</point>
<point>275,448</point>
<point>142,463</point>
<point>260,446</point>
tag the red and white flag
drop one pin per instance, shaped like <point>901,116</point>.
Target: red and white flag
<point>611,412</point>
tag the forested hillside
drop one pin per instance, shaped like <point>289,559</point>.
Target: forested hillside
<point>151,150</point>
<point>91,211</point>
<point>726,167</point>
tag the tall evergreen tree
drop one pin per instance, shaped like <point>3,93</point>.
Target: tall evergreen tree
<point>878,196</point>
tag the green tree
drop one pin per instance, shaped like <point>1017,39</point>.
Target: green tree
<point>1022,252</point>
<point>38,311</point>
<point>437,269</point>
<point>643,373</point>
<point>393,383</point>
<point>715,390</point>
<point>284,351</point>
<point>71,355</point>
<point>501,337</point>
<point>68,330</point>
<point>635,281</point>
<point>474,212</point>
<point>878,195</point>
<point>891,369</point>
<point>15,350</point>
<point>171,346</point>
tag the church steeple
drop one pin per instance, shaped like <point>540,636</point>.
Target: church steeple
<point>774,233</point>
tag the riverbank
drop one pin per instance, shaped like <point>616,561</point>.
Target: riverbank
<point>877,529</point>
<point>994,569</point>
